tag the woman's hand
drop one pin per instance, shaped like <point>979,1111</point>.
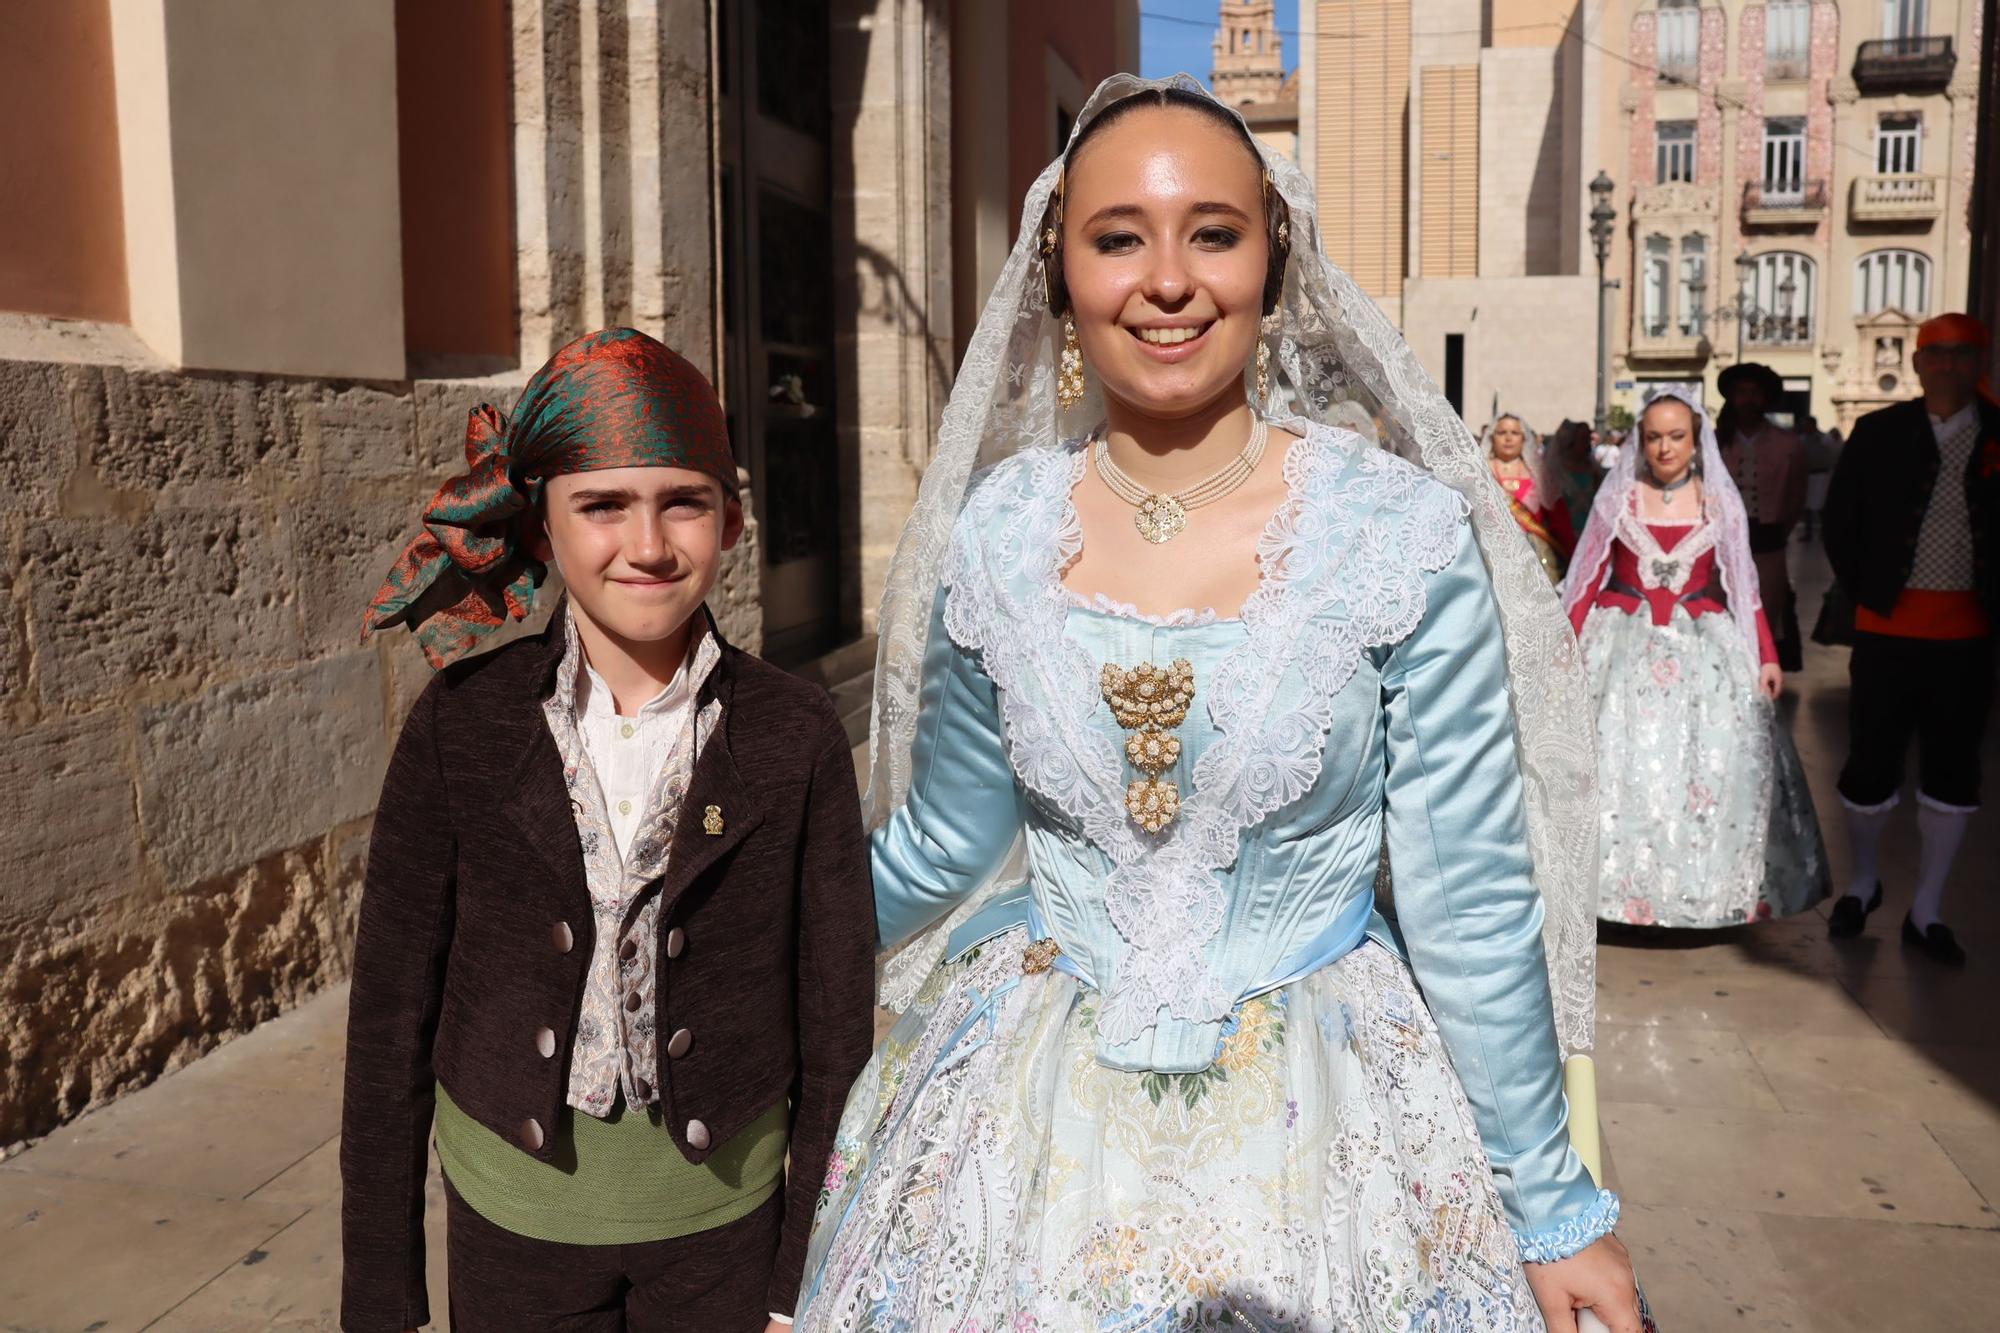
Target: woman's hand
<point>1771,680</point>
<point>1597,1278</point>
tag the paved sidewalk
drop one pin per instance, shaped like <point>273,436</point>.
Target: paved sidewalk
<point>1807,1135</point>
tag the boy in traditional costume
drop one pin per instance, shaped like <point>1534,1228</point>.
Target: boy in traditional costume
<point>616,944</point>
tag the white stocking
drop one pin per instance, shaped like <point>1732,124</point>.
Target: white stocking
<point>1939,832</point>
<point>1864,844</point>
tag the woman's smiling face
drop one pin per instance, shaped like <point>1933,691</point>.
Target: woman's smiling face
<point>1164,256</point>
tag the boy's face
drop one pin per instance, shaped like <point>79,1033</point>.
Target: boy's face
<point>638,547</point>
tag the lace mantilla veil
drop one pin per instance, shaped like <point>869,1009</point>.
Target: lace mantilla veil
<point>1333,352</point>
<point>1722,505</point>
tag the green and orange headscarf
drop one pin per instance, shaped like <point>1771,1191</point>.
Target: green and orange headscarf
<point>615,398</point>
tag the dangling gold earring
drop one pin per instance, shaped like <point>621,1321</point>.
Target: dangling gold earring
<point>1263,374</point>
<point>1069,383</point>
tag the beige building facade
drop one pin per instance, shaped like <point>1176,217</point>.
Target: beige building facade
<point>256,264</point>
<point>1799,185</point>
<point>1449,144</point>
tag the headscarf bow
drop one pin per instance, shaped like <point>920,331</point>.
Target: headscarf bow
<point>615,398</point>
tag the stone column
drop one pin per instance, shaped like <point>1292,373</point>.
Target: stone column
<point>892,311</point>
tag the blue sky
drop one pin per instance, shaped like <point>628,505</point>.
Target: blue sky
<point>1176,35</point>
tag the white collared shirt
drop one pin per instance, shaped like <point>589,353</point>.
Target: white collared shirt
<point>627,753</point>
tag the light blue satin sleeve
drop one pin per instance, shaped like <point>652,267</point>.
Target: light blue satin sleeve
<point>963,811</point>
<point>1470,916</point>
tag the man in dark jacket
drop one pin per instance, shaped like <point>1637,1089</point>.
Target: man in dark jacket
<point>1768,464</point>
<point>1913,532</point>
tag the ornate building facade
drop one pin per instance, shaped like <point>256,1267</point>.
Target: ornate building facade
<point>1793,184</point>
<point>1798,184</point>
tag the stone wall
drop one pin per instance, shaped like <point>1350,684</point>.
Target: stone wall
<point>191,736</point>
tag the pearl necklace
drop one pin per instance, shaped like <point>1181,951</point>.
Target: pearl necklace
<point>1161,517</point>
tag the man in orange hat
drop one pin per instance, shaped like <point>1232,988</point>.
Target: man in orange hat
<point>1913,531</point>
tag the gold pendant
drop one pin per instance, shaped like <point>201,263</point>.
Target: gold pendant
<point>711,821</point>
<point>1149,702</point>
<point>1160,518</point>
<point>1148,696</point>
<point>1153,804</point>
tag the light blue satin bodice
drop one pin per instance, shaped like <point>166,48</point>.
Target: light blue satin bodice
<point>1405,685</point>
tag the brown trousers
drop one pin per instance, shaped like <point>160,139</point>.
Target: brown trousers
<point>713,1281</point>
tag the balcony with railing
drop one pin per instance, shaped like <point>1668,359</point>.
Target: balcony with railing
<point>1786,66</point>
<point>1676,199</point>
<point>1904,65</point>
<point>1898,198</point>
<point>1792,203</point>
<point>1668,340</point>
<point>1777,330</point>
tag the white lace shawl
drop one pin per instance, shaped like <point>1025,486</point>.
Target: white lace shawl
<point>1335,357</point>
<point>1343,563</point>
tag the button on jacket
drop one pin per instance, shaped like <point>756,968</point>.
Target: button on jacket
<point>476,928</point>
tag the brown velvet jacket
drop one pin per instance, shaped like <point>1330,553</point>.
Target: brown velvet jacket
<point>476,931</point>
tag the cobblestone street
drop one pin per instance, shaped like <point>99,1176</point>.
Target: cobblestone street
<point>1806,1134</point>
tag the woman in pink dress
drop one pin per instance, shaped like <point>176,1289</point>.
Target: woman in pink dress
<point>1514,453</point>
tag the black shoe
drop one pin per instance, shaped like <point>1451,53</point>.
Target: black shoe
<point>1850,914</point>
<point>1936,941</point>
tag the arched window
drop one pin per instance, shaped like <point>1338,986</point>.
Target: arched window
<point>1694,281</point>
<point>1655,288</point>
<point>1779,292</point>
<point>1899,278</point>
<point>1679,39</point>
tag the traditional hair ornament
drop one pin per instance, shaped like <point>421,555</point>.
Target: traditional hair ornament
<point>1054,294</point>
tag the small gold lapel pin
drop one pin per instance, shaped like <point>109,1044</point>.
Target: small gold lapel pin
<point>711,821</point>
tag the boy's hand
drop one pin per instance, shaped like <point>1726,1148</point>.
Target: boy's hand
<point>777,1326</point>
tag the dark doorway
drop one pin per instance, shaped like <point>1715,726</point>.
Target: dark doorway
<point>1454,371</point>
<point>778,334</point>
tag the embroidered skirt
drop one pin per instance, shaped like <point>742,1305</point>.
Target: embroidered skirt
<point>1704,818</point>
<point>1324,1174</point>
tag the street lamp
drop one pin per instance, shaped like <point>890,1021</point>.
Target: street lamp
<point>1744,309</point>
<point>1601,215</point>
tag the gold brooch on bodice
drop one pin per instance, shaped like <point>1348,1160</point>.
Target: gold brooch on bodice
<point>1150,703</point>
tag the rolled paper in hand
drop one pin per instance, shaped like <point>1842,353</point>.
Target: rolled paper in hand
<point>1580,1086</point>
<point>1588,1322</point>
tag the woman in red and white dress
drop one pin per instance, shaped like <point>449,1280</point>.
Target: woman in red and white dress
<point>1704,817</point>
